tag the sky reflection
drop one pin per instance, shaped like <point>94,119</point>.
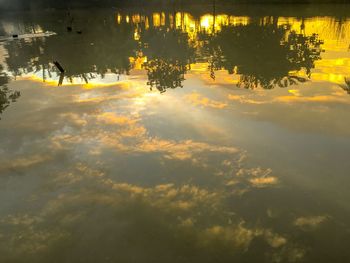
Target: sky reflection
<point>175,137</point>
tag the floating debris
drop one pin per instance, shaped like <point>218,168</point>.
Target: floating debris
<point>26,36</point>
<point>70,23</point>
<point>60,81</point>
<point>58,65</point>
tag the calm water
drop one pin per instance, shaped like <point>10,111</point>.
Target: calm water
<point>175,135</point>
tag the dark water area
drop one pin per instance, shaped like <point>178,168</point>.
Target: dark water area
<point>41,5</point>
<point>175,134</point>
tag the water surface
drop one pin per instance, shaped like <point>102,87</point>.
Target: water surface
<point>212,134</point>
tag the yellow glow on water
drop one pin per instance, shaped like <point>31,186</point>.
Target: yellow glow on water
<point>332,69</point>
<point>327,28</point>
<point>178,20</point>
<point>185,21</point>
<point>212,24</point>
<point>136,19</point>
<point>340,61</point>
<point>162,19</point>
<point>171,20</point>
<point>206,21</point>
<point>334,78</point>
<point>146,23</point>
<point>136,34</point>
<point>118,18</point>
<point>156,20</point>
<point>202,67</point>
<point>242,20</point>
<point>76,81</point>
<point>48,82</point>
<point>138,61</point>
<point>295,92</point>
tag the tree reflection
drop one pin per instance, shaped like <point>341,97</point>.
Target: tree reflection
<point>6,95</point>
<point>263,55</point>
<point>163,74</point>
<point>346,86</point>
<point>169,55</point>
<point>25,56</point>
<point>100,50</point>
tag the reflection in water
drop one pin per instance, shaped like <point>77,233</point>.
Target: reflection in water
<point>6,95</point>
<point>168,57</point>
<point>263,52</point>
<point>103,49</point>
<point>105,170</point>
<point>264,55</point>
<point>346,86</point>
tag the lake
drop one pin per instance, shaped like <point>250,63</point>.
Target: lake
<point>175,134</point>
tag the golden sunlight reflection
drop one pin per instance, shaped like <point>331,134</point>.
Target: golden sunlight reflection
<point>333,67</point>
<point>96,82</point>
<point>202,34</point>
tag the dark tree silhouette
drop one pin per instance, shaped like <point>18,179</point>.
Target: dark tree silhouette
<point>6,95</point>
<point>263,55</point>
<point>102,48</point>
<point>346,86</point>
<point>169,56</point>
